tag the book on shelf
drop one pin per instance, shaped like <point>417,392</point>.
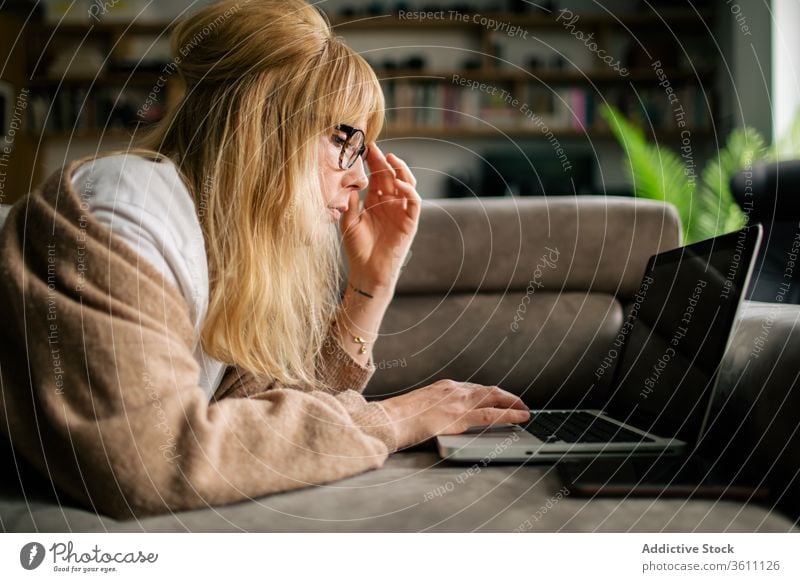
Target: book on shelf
<point>533,106</point>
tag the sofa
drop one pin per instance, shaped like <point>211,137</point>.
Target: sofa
<point>528,294</point>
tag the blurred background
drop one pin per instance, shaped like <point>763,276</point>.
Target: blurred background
<point>654,98</point>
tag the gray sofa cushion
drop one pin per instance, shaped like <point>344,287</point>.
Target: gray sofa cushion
<point>494,245</point>
<point>550,360</point>
<point>416,492</point>
<point>518,292</point>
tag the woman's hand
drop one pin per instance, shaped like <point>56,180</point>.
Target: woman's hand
<point>449,407</point>
<point>377,240</point>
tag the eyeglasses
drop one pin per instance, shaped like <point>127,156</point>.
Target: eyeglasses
<point>353,145</point>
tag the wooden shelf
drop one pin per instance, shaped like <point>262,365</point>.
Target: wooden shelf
<point>390,21</point>
<point>116,134</point>
<point>133,79</point>
<point>424,132</point>
<point>107,28</point>
<point>582,81</point>
<point>533,21</point>
<point>431,132</point>
<point>547,75</point>
<point>149,78</point>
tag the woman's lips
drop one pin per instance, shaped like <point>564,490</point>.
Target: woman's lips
<point>336,212</point>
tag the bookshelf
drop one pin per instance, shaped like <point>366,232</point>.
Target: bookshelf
<point>103,98</point>
<point>432,116</point>
<point>99,100</point>
<point>112,80</point>
<point>437,103</point>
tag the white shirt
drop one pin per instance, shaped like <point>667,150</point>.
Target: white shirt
<point>147,205</point>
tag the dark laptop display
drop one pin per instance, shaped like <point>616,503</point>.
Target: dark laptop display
<point>669,360</point>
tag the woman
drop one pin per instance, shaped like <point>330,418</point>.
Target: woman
<point>179,306</point>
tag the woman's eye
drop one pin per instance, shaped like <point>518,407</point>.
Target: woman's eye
<point>338,140</point>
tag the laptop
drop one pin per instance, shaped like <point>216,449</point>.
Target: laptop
<point>668,353</point>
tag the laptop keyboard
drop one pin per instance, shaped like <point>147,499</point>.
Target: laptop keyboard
<point>579,427</point>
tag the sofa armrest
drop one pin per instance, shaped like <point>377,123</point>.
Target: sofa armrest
<point>494,244</point>
<point>754,428</point>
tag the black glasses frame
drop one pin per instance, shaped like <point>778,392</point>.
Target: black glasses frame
<point>350,132</point>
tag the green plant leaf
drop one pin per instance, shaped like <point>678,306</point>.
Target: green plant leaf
<point>656,172</point>
<point>720,211</point>
<point>706,207</point>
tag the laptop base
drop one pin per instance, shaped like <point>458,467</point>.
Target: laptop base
<point>512,443</point>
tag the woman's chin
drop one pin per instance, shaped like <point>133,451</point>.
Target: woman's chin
<point>327,226</point>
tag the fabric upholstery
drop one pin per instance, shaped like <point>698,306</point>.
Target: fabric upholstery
<point>494,244</point>
<point>550,360</point>
<point>416,492</point>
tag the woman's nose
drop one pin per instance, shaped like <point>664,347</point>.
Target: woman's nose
<point>356,177</point>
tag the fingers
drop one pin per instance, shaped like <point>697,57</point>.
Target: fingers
<point>388,169</point>
<point>401,169</point>
<point>494,396</point>
<point>492,416</point>
<point>487,417</point>
<point>382,174</point>
<point>413,201</point>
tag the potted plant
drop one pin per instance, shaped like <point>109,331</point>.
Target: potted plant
<point>704,202</point>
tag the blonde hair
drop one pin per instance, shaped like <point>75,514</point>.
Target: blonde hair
<point>263,80</point>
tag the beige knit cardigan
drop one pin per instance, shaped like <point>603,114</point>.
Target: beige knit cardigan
<point>100,389</point>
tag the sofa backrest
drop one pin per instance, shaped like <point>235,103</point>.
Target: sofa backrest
<point>525,293</point>
<point>491,244</point>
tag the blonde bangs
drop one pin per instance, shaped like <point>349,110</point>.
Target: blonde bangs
<point>349,90</point>
<point>245,136</point>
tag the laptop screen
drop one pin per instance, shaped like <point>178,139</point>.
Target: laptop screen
<point>677,332</point>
